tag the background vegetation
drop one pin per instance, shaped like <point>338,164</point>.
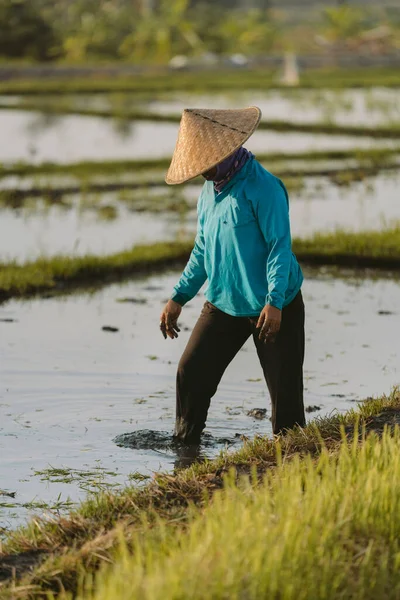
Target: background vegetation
<point>154,32</point>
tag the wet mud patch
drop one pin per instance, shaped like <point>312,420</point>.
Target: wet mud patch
<point>388,418</point>
<point>257,413</point>
<point>15,565</point>
<point>162,441</point>
<point>315,407</point>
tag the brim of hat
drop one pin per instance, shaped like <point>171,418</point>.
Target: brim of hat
<point>206,137</point>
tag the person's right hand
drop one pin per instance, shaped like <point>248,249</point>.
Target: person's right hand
<point>168,319</point>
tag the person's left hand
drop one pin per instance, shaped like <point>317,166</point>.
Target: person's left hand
<point>269,323</point>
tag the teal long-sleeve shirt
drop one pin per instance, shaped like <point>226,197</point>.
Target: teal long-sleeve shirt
<point>243,246</point>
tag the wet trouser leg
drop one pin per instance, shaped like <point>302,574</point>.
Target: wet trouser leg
<point>282,363</point>
<point>215,341</point>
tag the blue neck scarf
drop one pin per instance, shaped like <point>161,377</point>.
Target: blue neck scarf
<point>229,167</point>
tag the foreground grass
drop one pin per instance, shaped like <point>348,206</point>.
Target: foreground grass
<point>162,80</point>
<point>333,519</point>
<point>326,529</point>
<point>62,274</point>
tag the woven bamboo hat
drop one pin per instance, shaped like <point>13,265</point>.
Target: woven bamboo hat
<point>206,137</point>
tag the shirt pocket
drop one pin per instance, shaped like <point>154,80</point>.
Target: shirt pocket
<point>238,214</point>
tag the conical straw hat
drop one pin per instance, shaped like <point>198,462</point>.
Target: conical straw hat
<point>206,137</point>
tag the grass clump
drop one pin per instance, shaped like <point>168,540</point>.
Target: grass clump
<point>324,529</point>
<point>64,273</point>
<point>369,248</point>
<point>330,512</point>
<point>87,479</point>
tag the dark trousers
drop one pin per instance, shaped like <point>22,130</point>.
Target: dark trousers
<point>215,341</point>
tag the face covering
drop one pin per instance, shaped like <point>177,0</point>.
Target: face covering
<point>229,167</point>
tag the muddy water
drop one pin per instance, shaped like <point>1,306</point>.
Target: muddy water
<point>40,230</point>
<point>319,206</point>
<point>35,138</point>
<point>68,388</point>
<point>372,204</point>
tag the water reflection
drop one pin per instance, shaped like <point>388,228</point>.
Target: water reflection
<point>111,222</point>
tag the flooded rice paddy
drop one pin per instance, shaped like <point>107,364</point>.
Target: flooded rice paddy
<point>35,138</point>
<point>112,222</point>
<point>372,107</point>
<point>106,227</point>
<point>79,372</point>
<point>68,387</point>
<point>377,106</point>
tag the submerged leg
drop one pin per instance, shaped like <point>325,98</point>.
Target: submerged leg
<point>282,363</point>
<point>215,340</point>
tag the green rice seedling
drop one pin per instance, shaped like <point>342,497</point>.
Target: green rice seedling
<point>107,213</point>
<point>89,480</point>
<point>84,169</point>
<point>373,244</point>
<point>63,274</point>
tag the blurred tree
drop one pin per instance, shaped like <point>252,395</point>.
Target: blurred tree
<point>24,32</point>
<point>157,30</point>
<point>249,33</point>
<point>97,29</point>
<point>342,22</point>
<point>162,34</point>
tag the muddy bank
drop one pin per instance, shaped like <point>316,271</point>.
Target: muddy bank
<point>147,439</point>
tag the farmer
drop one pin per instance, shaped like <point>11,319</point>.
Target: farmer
<point>243,249</point>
